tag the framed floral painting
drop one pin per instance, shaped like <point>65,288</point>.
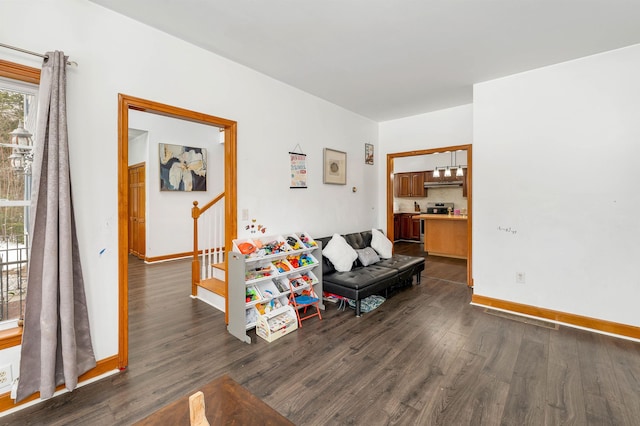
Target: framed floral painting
<point>182,168</point>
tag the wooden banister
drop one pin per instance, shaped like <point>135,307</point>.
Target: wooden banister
<point>196,212</point>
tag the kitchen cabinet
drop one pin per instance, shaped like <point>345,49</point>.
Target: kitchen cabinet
<point>409,227</point>
<point>409,184</point>
<point>428,177</point>
<point>415,229</point>
<point>445,235</point>
<point>396,226</point>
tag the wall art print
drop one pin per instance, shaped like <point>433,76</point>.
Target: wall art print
<point>298,170</point>
<point>368,153</point>
<point>182,168</point>
<point>335,167</point>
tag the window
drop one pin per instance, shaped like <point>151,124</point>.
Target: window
<point>18,101</point>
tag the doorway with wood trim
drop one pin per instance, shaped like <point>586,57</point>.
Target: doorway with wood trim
<point>390,187</point>
<point>126,103</point>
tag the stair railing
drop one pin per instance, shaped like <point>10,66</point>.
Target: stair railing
<point>213,250</point>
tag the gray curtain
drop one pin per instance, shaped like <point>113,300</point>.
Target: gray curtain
<point>56,342</point>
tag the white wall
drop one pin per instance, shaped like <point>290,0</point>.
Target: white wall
<point>169,226</point>
<point>118,55</point>
<point>555,176</point>
<point>138,144</point>
<point>447,127</point>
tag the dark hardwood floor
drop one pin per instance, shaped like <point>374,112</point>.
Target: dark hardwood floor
<point>424,357</point>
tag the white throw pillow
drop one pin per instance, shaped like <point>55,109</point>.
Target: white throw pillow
<point>381,244</point>
<point>340,253</point>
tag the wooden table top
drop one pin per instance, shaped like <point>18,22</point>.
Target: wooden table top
<point>226,403</point>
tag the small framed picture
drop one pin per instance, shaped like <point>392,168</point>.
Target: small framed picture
<point>368,153</point>
<point>335,167</point>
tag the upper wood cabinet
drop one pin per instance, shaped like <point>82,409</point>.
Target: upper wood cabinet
<point>428,177</point>
<point>409,184</point>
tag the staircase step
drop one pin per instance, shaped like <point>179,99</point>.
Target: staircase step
<point>214,285</point>
<point>222,266</point>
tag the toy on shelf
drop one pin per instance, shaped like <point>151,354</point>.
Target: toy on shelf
<point>294,243</point>
<point>308,241</point>
<point>247,247</point>
<point>252,294</point>
<point>281,266</point>
<point>274,247</point>
<point>272,304</point>
<point>282,287</point>
<point>307,279</point>
<point>258,272</point>
<point>260,247</point>
<point>260,308</point>
<point>300,260</point>
<point>297,282</point>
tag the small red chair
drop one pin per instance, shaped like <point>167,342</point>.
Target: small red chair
<point>303,299</point>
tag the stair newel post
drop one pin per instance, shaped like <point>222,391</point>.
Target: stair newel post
<point>195,263</point>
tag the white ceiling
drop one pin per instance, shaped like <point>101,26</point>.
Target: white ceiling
<point>387,59</point>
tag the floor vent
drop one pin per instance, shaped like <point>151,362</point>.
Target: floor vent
<point>526,320</point>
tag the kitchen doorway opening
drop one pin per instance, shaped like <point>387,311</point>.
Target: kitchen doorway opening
<point>391,159</point>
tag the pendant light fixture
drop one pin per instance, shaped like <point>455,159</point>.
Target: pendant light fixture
<point>447,171</point>
<point>453,164</point>
<point>459,171</point>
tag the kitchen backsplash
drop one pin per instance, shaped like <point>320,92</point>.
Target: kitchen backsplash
<point>436,195</point>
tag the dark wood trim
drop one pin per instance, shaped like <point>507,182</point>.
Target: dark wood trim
<point>125,103</point>
<point>103,366</point>
<point>595,324</point>
<point>468,148</point>
<point>19,72</point>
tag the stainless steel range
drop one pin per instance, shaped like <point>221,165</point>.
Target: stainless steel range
<point>438,208</point>
<point>434,208</point>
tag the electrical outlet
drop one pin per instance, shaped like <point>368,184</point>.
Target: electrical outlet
<point>6,378</point>
<point>245,214</point>
<point>520,277</point>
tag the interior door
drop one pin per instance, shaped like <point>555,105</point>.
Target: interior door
<point>137,211</point>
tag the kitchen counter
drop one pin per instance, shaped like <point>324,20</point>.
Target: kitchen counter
<point>445,235</point>
<point>439,217</point>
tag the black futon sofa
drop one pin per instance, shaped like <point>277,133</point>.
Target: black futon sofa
<point>364,281</point>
